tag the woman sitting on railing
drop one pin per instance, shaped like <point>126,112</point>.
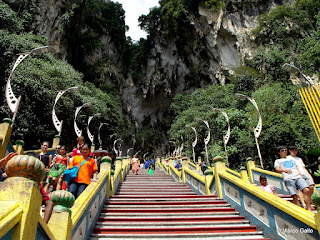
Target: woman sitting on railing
<point>59,165</point>
<point>89,168</point>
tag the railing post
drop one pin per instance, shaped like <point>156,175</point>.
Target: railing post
<point>106,166</point>
<point>315,198</point>
<point>219,166</point>
<point>170,164</point>
<point>5,133</point>
<point>19,146</point>
<point>244,174</point>
<point>56,141</point>
<point>197,165</point>
<point>118,165</point>
<point>209,175</point>
<point>250,166</point>
<point>93,148</point>
<point>22,186</point>
<point>60,222</point>
<point>184,166</point>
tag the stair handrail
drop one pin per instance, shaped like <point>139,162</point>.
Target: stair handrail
<point>253,201</point>
<point>88,198</point>
<point>233,172</point>
<point>274,178</point>
<point>291,209</point>
<point>175,172</point>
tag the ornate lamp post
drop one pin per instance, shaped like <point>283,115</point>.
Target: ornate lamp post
<point>294,70</point>
<point>207,139</point>
<point>129,151</point>
<point>181,147</point>
<point>56,122</point>
<point>77,130</point>
<point>12,101</point>
<point>118,152</point>
<point>194,143</point>
<point>90,136</point>
<point>227,136</point>
<point>258,128</point>
<point>99,138</point>
<point>174,151</point>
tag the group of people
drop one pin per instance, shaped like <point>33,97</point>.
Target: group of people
<point>296,177</point>
<point>56,165</point>
<point>146,164</point>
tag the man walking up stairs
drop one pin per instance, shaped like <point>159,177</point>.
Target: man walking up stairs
<point>157,207</point>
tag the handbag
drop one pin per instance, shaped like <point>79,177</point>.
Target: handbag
<point>72,173</point>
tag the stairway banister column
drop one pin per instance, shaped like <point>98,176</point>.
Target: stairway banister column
<point>197,165</point>
<point>22,186</point>
<point>56,141</point>
<point>244,174</point>
<point>106,166</point>
<point>60,222</point>
<point>185,165</point>
<point>5,133</point>
<point>209,176</point>
<point>219,166</point>
<point>118,166</point>
<point>250,166</point>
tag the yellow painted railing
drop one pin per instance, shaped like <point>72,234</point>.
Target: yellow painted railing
<point>311,99</point>
<point>255,203</point>
<point>10,215</point>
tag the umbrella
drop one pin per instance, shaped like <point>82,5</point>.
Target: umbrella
<point>99,152</point>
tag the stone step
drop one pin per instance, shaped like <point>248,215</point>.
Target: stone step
<point>176,224</point>
<point>142,207</point>
<point>177,230</point>
<point>166,214</point>
<point>154,197</point>
<point>169,210</point>
<point>157,200</point>
<point>170,218</point>
<point>184,236</point>
<point>164,203</point>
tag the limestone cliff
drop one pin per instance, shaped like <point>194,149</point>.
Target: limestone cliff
<point>217,43</point>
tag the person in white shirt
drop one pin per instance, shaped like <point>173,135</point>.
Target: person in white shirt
<point>292,177</point>
<point>303,171</point>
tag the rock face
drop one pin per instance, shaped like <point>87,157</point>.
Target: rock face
<point>217,44</point>
<point>220,41</point>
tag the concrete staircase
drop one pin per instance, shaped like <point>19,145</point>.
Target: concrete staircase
<point>157,207</point>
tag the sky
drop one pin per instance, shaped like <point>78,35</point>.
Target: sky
<point>133,9</point>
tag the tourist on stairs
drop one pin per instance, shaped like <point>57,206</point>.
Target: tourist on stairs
<point>135,164</point>
<point>89,167</point>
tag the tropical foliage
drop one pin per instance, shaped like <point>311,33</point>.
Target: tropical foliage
<point>38,79</point>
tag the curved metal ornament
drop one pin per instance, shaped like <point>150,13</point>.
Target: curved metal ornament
<point>258,128</point>
<point>99,138</point>
<point>227,136</point>
<point>10,97</point>
<point>129,151</point>
<point>90,136</point>
<point>114,146</point>
<point>77,130</point>
<point>181,147</point>
<point>56,122</point>
<point>207,139</point>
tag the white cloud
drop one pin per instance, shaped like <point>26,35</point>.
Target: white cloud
<point>133,9</point>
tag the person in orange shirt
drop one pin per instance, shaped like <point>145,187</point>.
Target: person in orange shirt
<point>89,168</point>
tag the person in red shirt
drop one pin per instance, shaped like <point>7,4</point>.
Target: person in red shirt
<point>89,168</point>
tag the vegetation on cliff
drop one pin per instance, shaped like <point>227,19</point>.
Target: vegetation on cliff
<point>288,34</point>
<point>38,80</point>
